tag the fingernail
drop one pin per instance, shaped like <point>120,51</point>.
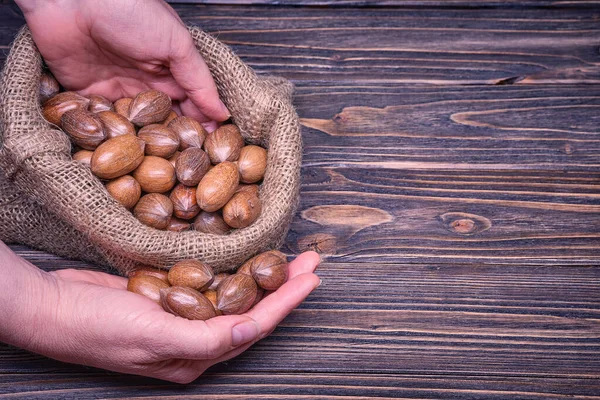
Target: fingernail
<point>244,332</point>
<point>320,281</point>
<point>224,109</point>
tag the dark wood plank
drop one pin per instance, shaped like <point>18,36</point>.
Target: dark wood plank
<point>432,46</point>
<point>434,128</point>
<point>295,386</point>
<point>394,3</point>
<point>390,216</point>
<point>417,46</point>
<point>402,3</point>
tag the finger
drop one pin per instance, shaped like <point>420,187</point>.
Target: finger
<point>205,340</point>
<point>210,126</point>
<point>304,263</point>
<point>97,278</point>
<point>275,307</point>
<point>191,72</point>
<point>176,108</point>
<point>173,12</point>
<point>171,89</point>
<point>189,109</point>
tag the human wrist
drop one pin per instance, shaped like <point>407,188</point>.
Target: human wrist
<point>30,6</point>
<point>26,296</point>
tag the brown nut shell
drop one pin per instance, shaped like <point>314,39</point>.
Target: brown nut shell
<point>126,190</point>
<point>187,303</point>
<point>149,107</point>
<point>218,278</point>
<point>83,156</point>
<point>55,107</point>
<point>184,201</point>
<point>122,105</point>
<point>178,225</point>
<point>211,295</point>
<point>217,186</point>
<point>99,103</point>
<point>242,187</point>
<point>155,175</point>
<point>83,127</point>
<point>160,140</point>
<point>236,293</point>
<point>115,124</point>
<point>252,163</point>
<point>49,86</point>
<point>224,144</point>
<point>154,210</point>
<point>117,156</point>
<point>173,159</point>
<point>269,269</point>
<point>260,294</point>
<point>192,274</point>
<point>148,286</point>
<point>242,210</point>
<point>211,222</point>
<point>246,268</point>
<point>149,271</point>
<point>191,166</point>
<point>172,115</point>
<point>191,133</point>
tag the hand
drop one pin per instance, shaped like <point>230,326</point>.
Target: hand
<point>89,318</point>
<point>117,48</point>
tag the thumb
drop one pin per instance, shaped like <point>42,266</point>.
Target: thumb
<point>208,340</point>
<point>191,73</point>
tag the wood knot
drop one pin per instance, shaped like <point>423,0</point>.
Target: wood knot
<point>464,223</point>
<point>568,148</point>
<point>322,243</point>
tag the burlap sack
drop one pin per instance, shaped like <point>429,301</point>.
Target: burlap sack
<point>50,202</point>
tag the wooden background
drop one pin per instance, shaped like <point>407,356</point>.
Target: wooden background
<point>451,181</point>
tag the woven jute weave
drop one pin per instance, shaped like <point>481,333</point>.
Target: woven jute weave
<point>50,202</point>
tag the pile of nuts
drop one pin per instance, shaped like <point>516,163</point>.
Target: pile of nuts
<point>191,290</point>
<point>168,169</point>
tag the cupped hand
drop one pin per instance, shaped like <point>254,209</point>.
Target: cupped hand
<point>89,318</point>
<point>117,48</point>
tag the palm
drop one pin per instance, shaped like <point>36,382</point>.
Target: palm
<point>109,292</point>
<point>122,48</point>
<point>111,74</point>
<point>91,64</point>
<point>119,313</point>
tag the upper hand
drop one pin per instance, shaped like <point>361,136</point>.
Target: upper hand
<point>117,48</point>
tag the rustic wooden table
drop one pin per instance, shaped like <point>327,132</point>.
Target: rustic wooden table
<point>451,181</point>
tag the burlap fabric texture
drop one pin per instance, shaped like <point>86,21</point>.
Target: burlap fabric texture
<point>50,202</point>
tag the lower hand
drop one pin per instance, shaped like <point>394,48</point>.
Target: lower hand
<point>89,318</point>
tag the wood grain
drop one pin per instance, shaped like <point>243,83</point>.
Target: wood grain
<point>439,128</point>
<point>400,3</point>
<point>417,46</point>
<point>294,386</point>
<point>393,174</point>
